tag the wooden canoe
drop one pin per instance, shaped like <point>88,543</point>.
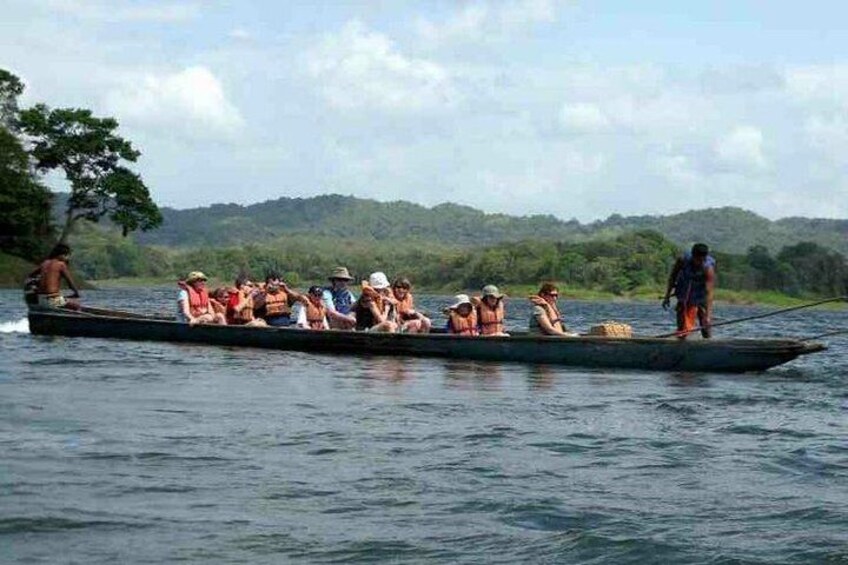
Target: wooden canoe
<point>718,355</point>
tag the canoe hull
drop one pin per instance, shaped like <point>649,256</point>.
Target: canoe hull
<point>737,355</point>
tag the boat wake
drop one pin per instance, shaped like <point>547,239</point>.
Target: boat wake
<point>19,327</point>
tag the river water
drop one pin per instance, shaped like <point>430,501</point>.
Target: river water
<point>129,452</point>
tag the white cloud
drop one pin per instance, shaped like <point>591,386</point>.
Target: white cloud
<point>821,84</point>
<point>488,20</point>
<point>741,148</point>
<point>239,33</point>
<point>193,97</point>
<point>828,136</point>
<point>583,116</point>
<point>121,11</point>
<point>678,170</point>
<point>357,68</point>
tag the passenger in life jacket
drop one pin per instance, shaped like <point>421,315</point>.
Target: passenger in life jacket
<point>411,321</point>
<point>462,316</point>
<point>193,303</point>
<point>693,281</point>
<point>274,303</point>
<point>313,311</point>
<point>219,298</point>
<point>339,300</point>
<point>376,309</point>
<point>490,311</point>
<point>546,318</point>
<point>240,304</point>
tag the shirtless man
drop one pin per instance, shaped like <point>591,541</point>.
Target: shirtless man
<point>50,273</point>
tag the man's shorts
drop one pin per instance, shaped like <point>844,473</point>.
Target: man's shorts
<point>51,300</point>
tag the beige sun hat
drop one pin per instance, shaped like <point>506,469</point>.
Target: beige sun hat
<point>491,290</point>
<point>195,276</point>
<point>378,280</point>
<point>341,273</point>
<point>459,300</point>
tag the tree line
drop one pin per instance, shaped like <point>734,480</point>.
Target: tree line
<point>622,265</point>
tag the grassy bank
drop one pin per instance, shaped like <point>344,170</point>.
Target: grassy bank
<point>13,271</point>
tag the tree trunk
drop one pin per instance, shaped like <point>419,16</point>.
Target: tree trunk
<point>70,220</point>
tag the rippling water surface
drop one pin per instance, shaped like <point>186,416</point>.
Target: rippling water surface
<point>116,451</point>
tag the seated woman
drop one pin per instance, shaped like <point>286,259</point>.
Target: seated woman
<point>490,311</point>
<point>193,303</point>
<point>313,311</point>
<point>546,318</point>
<point>375,310</point>
<point>411,321</point>
<point>462,316</point>
<point>240,305</point>
<point>219,299</point>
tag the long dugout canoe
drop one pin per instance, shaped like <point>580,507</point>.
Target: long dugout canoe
<point>714,355</point>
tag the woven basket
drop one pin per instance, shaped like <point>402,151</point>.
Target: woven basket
<point>611,329</point>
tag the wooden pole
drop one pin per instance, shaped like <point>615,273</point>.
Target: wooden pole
<point>758,316</point>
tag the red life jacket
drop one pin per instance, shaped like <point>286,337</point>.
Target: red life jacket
<point>316,314</point>
<point>277,303</point>
<point>463,325</point>
<point>198,302</point>
<point>491,319</point>
<point>551,310</point>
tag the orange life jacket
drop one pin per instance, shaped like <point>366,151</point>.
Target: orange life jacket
<point>463,325</point>
<point>406,306</point>
<point>491,319</point>
<point>551,310</point>
<point>388,305</point>
<point>244,315</point>
<point>316,314</point>
<point>198,302</point>
<point>277,304</point>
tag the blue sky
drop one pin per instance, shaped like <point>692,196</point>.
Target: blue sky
<point>579,109</point>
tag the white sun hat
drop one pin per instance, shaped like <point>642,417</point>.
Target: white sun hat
<point>459,300</point>
<point>378,280</point>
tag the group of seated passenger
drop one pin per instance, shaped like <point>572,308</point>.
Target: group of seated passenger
<point>382,306</point>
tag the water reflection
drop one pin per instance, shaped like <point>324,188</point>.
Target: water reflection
<point>394,370</point>
<point>540,377</point>
<point>464,374</point>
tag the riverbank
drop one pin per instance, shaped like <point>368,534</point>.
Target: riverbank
<point>642,294</point>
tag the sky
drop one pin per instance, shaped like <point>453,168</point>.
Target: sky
<point>579,109</point>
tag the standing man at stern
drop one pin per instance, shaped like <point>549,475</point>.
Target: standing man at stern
<point>693,280</point>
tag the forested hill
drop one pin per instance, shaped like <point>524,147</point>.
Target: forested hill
<point>731,230</point>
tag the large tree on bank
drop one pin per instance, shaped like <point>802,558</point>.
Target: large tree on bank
<point>92,156</point>
<point>25,223</point>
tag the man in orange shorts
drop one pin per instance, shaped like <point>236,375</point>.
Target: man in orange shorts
<point>693,280</point>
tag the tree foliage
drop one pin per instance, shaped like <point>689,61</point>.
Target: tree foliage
<point>25,222</point>
<point>90,153</point>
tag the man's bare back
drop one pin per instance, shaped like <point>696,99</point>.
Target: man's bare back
<point>52,272</point>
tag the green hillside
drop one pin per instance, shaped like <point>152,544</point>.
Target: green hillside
<point>731,230</point>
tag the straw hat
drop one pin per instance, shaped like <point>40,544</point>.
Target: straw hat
<point>195,276</point>
<point>378,280</point>
<point>459,300</point>
<point>341,273</point>
<point>491,290</point>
